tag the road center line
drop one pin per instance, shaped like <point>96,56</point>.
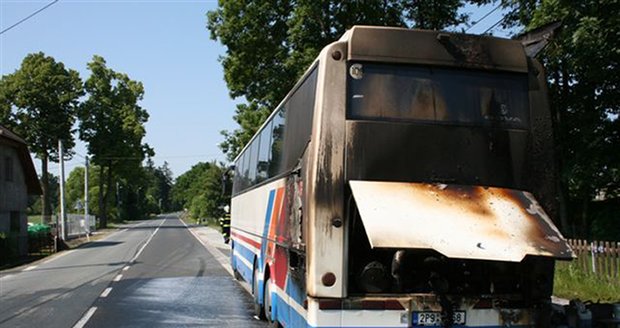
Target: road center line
<point>126,268</point>
<point>147,242</point>
<point>118,277</point>
<point>85,318</point>
<point>106,292</point>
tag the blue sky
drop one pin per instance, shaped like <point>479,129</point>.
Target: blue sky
<point>163,44</point>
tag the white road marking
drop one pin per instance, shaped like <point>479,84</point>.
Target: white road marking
<point>32,267</point>
<point>124,230</point>
<point>106,292</point>
<point>126,268</point>
<point>118,277</point>
<point>57,256</point>
<point>7,276</point>
<point>147,242</point>
<point>85,318</point>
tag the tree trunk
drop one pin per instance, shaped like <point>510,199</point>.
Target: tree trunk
<point>103,215</point>
<point>104,193</point>
<point>585,227</point>
<point>109,183</point>
<point>558,107</point>
<point>46,209</point>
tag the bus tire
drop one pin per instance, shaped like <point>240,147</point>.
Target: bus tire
<point>258,309</point>
<point>233,263</point>
<point>237,275</point>
<point>268,305</point>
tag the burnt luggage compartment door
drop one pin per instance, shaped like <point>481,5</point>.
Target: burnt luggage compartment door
<point>464,222</point>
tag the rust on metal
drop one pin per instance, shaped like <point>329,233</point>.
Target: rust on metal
<point>467,222</point>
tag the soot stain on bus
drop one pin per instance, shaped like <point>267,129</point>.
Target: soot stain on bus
<point>419,183</point>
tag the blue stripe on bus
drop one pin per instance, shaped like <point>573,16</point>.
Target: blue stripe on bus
<point>248,255</point>
<point>295,291</point>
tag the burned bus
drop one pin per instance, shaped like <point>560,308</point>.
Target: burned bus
<point>404,181</point>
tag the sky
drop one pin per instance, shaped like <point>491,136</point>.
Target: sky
<point>163,44</point>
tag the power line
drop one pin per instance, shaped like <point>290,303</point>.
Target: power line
<point>156,157</point>
<point>29,16</point>
<point>483,17</point>
<point>494,25</point>
<point>518,9</point>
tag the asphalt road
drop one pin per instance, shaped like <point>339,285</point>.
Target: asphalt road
<point>154,274</point>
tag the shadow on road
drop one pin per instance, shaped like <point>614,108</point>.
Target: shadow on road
<point>94,244</point>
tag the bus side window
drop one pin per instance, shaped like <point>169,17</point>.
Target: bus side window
<point>237,176</point>
<point>252,161</point>
<point>245,183</point>
<point>264,153</point>
<point>277,142</point>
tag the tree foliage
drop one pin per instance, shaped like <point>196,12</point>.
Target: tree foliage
<point>202,190</point>
<point>583,74</point>
<point>38,101</point>
<point>158,187</point>
<point>148,192</point>
<point>270,44</point>
<point>112,123</point>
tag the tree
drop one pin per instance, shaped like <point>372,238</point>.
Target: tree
<point>188,185</point>
<point>112,123</point>
<point>270,44</point>
<point>583,74</point>
<point>74,189</point>
<point>158,187</point>
<point>38,102</point>
<point>35,203</point>
<point>204,190</point>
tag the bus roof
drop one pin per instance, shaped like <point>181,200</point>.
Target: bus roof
<point>401,45</point>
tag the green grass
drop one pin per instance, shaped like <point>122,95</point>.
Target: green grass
<point>572,282</point>
<point>34,219</point>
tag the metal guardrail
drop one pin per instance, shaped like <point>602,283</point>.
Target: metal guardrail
<point>80,225</point>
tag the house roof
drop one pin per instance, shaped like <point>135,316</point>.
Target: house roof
<point>32,180</point>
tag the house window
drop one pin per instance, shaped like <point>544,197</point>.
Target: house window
<point>15,222</point>
<point>8,169</point>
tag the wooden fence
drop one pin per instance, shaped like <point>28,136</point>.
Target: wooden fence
<point>601,258</point>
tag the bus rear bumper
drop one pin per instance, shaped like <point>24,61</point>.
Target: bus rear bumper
<point>416,311</point>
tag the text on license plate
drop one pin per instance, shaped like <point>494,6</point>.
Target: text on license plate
<point>434,318</point>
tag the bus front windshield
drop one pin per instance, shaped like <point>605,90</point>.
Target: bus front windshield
<point>439,95</point>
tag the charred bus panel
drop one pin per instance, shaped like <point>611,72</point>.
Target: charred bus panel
<point>433,110</point>
<point>409,172</point>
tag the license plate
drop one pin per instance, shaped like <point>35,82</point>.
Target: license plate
<point>434,318</point>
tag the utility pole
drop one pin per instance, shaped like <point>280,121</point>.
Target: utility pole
<point>63,222</point>
<point>86,219</point>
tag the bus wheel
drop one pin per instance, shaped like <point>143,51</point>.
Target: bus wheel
<point>268,305</point>
<point>233,262</point>
<point>237,274</point>
<point>258,309</point>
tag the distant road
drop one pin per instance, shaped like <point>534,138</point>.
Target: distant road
<point>154,274</point>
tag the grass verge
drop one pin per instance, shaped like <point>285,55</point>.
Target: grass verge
<point>572,282</point>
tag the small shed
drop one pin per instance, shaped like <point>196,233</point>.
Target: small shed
<point>18,179</point>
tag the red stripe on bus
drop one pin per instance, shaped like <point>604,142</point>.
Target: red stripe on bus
<point>252,242</point>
